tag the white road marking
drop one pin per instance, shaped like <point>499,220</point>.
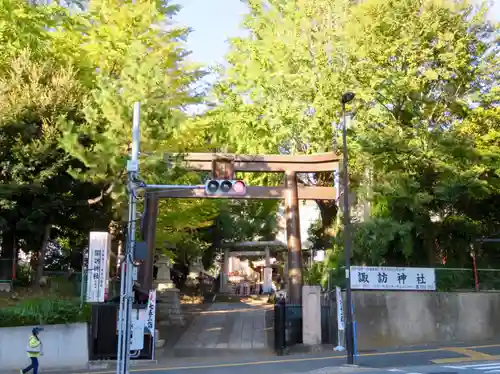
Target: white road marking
<point>487,368</point>
<point>396,370</point>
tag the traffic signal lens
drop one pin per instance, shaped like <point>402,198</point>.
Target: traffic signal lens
<point>239,187</point>
<point>212,186</point>
<point>226,186</point>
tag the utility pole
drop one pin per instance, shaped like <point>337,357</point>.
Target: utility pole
<point>346,98</point>
<point>127,266</point>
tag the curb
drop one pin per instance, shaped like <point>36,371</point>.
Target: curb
<point>92,366</point>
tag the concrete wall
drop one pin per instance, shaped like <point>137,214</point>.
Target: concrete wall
<point>64,346</point>
<point>395,319</point>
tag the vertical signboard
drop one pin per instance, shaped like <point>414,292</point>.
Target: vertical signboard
<point>98,266</point>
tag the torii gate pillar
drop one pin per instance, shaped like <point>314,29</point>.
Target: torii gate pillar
<point>293,238</point>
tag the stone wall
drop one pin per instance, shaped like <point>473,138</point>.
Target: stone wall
<point>64,347</point>
<point>400,318</point>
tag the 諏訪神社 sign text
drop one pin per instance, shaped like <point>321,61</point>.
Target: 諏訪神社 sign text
<point>392,278</point>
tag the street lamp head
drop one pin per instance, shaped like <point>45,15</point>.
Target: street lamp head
<point>347,97</point>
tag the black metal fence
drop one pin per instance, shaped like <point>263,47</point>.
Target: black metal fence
<point>286,320</point>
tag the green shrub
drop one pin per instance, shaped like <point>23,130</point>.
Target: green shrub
<point>44,312</point>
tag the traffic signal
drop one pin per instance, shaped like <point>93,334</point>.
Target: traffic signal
<point>225,187</point>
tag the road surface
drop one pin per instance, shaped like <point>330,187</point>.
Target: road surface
<point>458,359</point>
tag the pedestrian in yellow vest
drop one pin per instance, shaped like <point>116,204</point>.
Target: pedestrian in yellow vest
<point>34,350</point>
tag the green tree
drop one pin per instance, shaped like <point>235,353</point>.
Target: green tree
<point>424,75</point>
<point>417,79</point>
<point>37,194</point>
<point>132,52</point>
<point>127,52</point>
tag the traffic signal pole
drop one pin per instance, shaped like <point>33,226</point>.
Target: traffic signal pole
<point>127,273</point>
<point>127,263</point>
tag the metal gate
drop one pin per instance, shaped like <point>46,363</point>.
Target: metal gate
<point>287,323</point>
<point>103,333</point>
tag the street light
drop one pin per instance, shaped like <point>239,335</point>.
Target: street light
<point>349,338</point>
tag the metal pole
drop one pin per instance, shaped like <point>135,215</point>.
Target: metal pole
<point>126,281</point>
<point>82,286</point>
<point>171,186</point>
<point>347,244</point>
<point>119,353</point>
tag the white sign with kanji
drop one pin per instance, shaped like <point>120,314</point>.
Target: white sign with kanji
<point>98,266</point>
<point>392,278</point>
<point>340,310</point>
<point>151,312</point>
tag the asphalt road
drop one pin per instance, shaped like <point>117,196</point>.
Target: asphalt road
<point>458,359</point>
<point>329,367</point>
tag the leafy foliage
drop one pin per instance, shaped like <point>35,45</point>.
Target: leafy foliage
<point>423,149</point>
<point>67,84</point>
<point>44,312</point>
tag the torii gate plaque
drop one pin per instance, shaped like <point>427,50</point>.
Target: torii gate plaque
<point>225,165</point>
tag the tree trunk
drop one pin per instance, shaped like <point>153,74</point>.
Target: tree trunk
<point>328,211</point>
<point>41,255</point>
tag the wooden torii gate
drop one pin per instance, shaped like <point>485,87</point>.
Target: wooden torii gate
<point>223,166</point>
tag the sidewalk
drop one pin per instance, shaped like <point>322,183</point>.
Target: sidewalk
<point>252,359</point>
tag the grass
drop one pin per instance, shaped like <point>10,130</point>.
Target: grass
<point>55,303</point>
<point>59,288</point>
<point>44,311</point>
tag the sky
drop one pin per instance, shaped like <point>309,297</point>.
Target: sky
<point>215,21</point>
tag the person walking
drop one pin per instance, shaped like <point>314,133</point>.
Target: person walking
<point>34,350</point>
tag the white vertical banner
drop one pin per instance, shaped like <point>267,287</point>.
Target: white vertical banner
<point>151,313</point>
<point>340,310</point>
<point>340,321</point>
<point>98,266</point>
<point>151,320</point>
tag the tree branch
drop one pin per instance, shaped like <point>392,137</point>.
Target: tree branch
<point>101,196</point>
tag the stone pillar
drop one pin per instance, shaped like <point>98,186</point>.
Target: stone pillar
<point>267,273</point>
<point>169,309</point>
<point>225,271</point>
<point>268,257</point>
<point>311,315</point>
<point>163,279</point>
